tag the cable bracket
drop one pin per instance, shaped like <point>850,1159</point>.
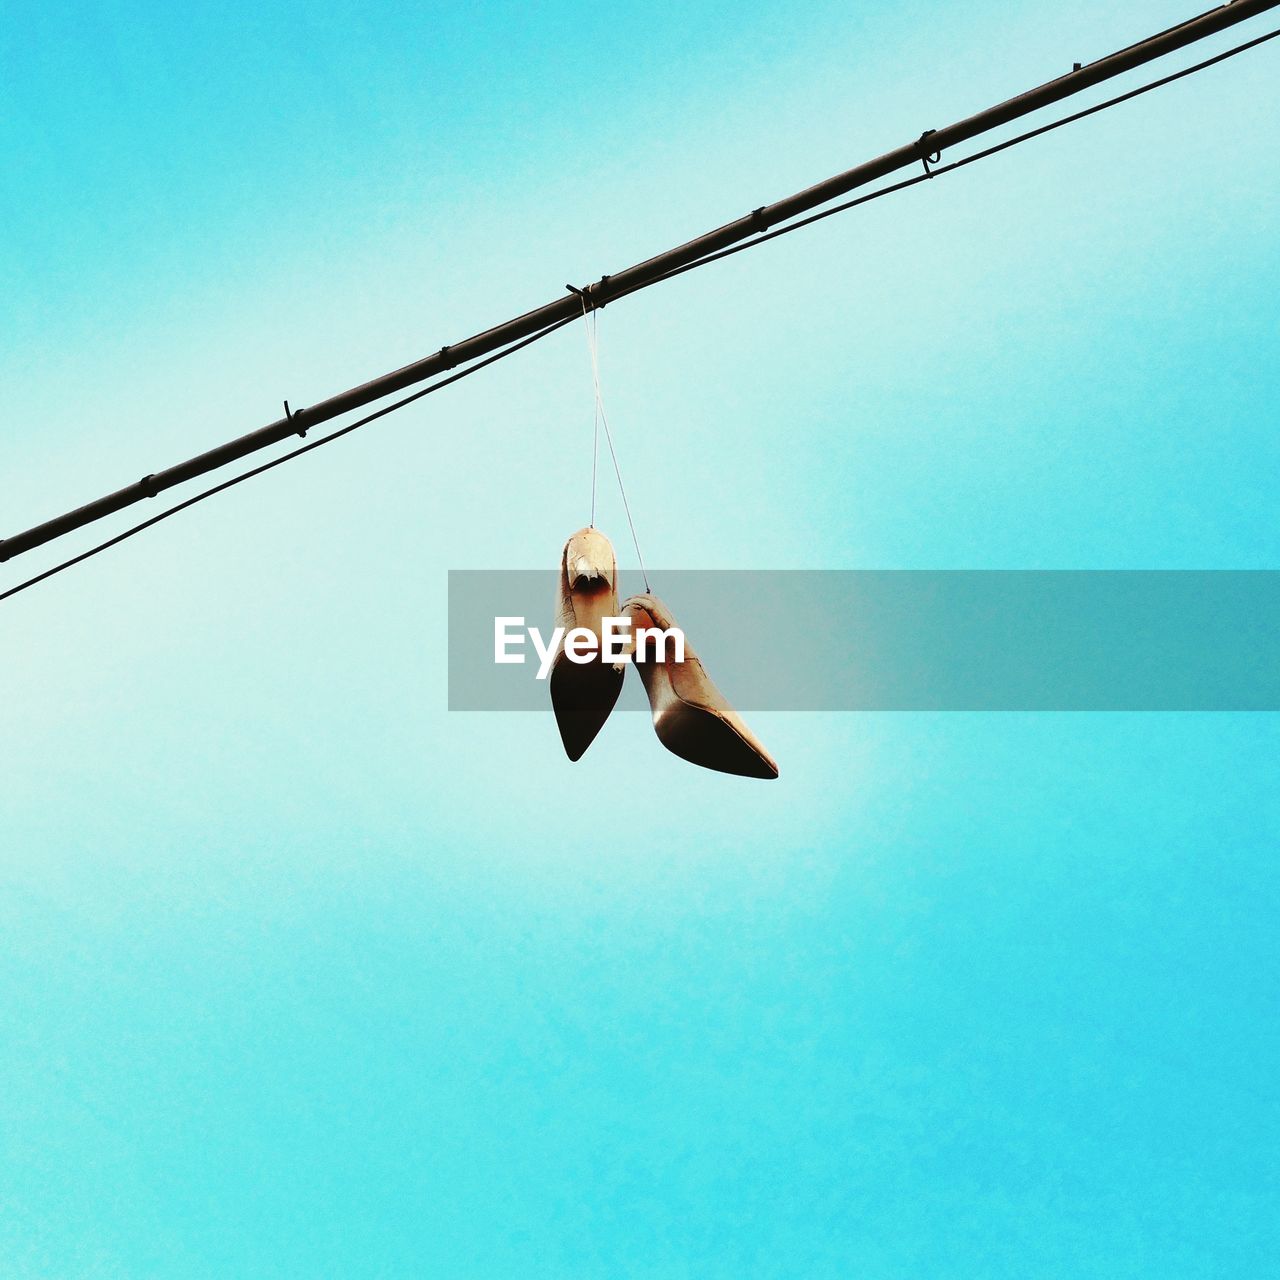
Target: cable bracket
<point>293,419</point>
<point>589,297</point>
<point>927,156</point>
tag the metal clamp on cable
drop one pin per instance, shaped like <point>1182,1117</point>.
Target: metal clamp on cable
<point>927,157</point>
<point>583,296</point>
<point>758,221</point>
<point>588,297</point>
<point>293,420</point>
<point>148,484</point>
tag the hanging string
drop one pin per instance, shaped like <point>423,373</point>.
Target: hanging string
<point>595,427</point>
<point>589,322</point>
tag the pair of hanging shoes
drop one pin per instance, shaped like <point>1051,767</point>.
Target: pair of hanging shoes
<point>692,718</point>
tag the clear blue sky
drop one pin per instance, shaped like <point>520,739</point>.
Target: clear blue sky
<point>301,975</point>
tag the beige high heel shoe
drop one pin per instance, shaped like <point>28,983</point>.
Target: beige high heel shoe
<point>691,716</point>
<point>583,694</point>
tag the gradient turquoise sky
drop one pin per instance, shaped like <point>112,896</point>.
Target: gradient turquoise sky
<point>301,975</point>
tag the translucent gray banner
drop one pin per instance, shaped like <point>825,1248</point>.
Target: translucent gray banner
<point>910,640</point>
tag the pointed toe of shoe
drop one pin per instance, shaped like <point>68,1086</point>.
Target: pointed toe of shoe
<point>704,737</point>
<point>582,698</point>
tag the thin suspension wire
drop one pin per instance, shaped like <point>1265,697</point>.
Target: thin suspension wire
<point>595,425</point>
<point>699,262</point>
<point>937,170</point>
<point>593,344</point>
<point>286,457</point>
<point>589,324</point>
